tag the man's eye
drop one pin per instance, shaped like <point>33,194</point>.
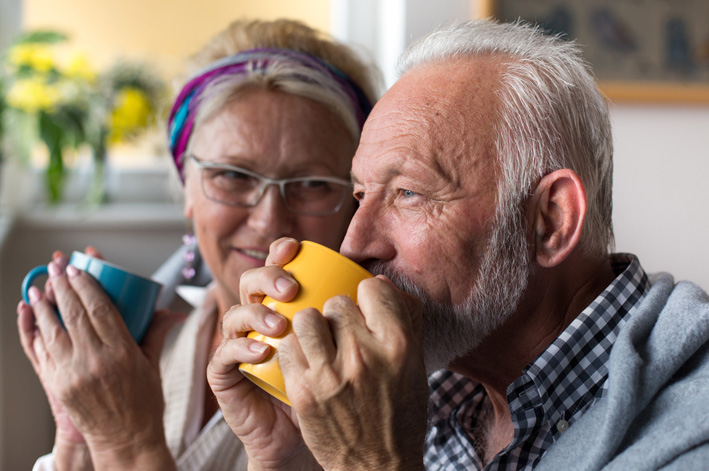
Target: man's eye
<point>407,193</point>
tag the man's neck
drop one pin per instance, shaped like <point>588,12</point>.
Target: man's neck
<point>552,300</point>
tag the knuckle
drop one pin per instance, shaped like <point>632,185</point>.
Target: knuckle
<point>398,346</point>
<point>52,335</point>
<point>121,355</point>
<point>101,310</point>
<point>338,304</point>
<point>307,317</point>
<point>70,318</point>
<point>246,277</point>
<point>95,370</point>
<point>369,285</point>
<point>240,319</point>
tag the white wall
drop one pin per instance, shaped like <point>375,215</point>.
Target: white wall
<point>661,193</point>
<point>10,20</point>
<point>662,152</point>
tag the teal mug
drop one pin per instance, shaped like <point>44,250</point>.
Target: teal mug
<point>133,295</point>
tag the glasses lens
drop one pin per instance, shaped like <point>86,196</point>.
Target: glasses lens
<point>230,186</point>
<point>312,196</point>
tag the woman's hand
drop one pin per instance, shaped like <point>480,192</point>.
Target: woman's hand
<point>70,450</point>
<point>267,427</point>
<point>98,379</point>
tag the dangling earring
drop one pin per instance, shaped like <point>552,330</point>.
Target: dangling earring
<point>190,243</point>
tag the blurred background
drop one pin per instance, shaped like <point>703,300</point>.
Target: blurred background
<point>64,184</point>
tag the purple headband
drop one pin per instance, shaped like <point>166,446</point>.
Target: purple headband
<point>184,111</point>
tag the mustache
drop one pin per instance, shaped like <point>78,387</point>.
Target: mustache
<point>401,281</point>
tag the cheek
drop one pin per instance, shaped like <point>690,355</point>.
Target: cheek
<point>439,251</point>
<point>214,221</point>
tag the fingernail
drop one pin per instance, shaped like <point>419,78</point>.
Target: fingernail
<point>53,270</point>
<point>272,320</point>
<point>34,294</point>
<point>257,347</point>
<point>72,271</point>
<point>283,284</point>
<point>62,260</point>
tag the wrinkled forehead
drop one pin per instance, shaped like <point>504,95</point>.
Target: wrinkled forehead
<point>446,113</point>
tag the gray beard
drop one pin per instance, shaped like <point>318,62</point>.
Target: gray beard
<point>450,331</point>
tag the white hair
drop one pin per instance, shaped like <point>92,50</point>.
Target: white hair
<point>551,116</point>
<point>288,76</point>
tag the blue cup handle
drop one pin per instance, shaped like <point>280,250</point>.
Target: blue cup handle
<point>30,277</point>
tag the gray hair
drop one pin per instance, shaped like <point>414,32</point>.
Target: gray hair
<point>287,76</point>
<point>552,115</point>
<point>351,69</point>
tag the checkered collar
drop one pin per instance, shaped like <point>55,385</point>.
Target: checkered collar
<point>554,390</point>
<point>572,371</point>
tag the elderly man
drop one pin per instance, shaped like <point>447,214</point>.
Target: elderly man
<point>484,184</point>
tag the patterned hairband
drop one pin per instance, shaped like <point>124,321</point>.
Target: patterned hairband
<point>184,110</point>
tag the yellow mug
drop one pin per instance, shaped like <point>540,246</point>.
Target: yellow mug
<point>321,274</point>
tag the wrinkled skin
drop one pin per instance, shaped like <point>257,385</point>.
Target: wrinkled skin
<point>332,364</point>
<point>126,403</point>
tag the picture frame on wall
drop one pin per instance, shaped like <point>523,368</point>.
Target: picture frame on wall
<point>640,50</point>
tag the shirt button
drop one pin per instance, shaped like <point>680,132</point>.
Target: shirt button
<point>562,426</point>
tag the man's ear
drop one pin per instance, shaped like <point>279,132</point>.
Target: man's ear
<point>557,213</point>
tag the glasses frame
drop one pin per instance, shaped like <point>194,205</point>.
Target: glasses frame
<point>265,182</point>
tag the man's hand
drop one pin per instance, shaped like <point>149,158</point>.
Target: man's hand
<point>357,381</point>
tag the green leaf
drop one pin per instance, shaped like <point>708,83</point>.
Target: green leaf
<point>41,36</point>
<point>55,176</point>
<point>52,134</point>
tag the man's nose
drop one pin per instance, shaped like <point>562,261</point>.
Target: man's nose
<point>366,237</point>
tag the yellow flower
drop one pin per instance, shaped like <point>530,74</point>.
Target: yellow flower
<point>37,56</point>
<point>33,94</point>
<point>131,113</point>
<point>78,67</point>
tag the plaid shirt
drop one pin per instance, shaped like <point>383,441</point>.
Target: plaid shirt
<point>552,393</point>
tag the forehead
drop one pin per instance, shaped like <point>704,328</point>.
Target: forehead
<point>440,116</point>
<point>273,131</point>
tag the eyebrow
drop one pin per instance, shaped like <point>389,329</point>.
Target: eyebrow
<point>391,172</point>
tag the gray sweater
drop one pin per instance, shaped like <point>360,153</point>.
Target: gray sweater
<point>655,413</point>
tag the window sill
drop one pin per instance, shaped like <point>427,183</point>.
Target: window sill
<point>115,214</point>
<point>24,189</point>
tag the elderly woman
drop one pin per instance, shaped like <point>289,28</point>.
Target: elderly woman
<point>263,136</point>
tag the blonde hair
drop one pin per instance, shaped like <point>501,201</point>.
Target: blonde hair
<point>244,35</point>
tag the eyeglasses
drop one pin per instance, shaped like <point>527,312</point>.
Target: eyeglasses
<point>235,186</point>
